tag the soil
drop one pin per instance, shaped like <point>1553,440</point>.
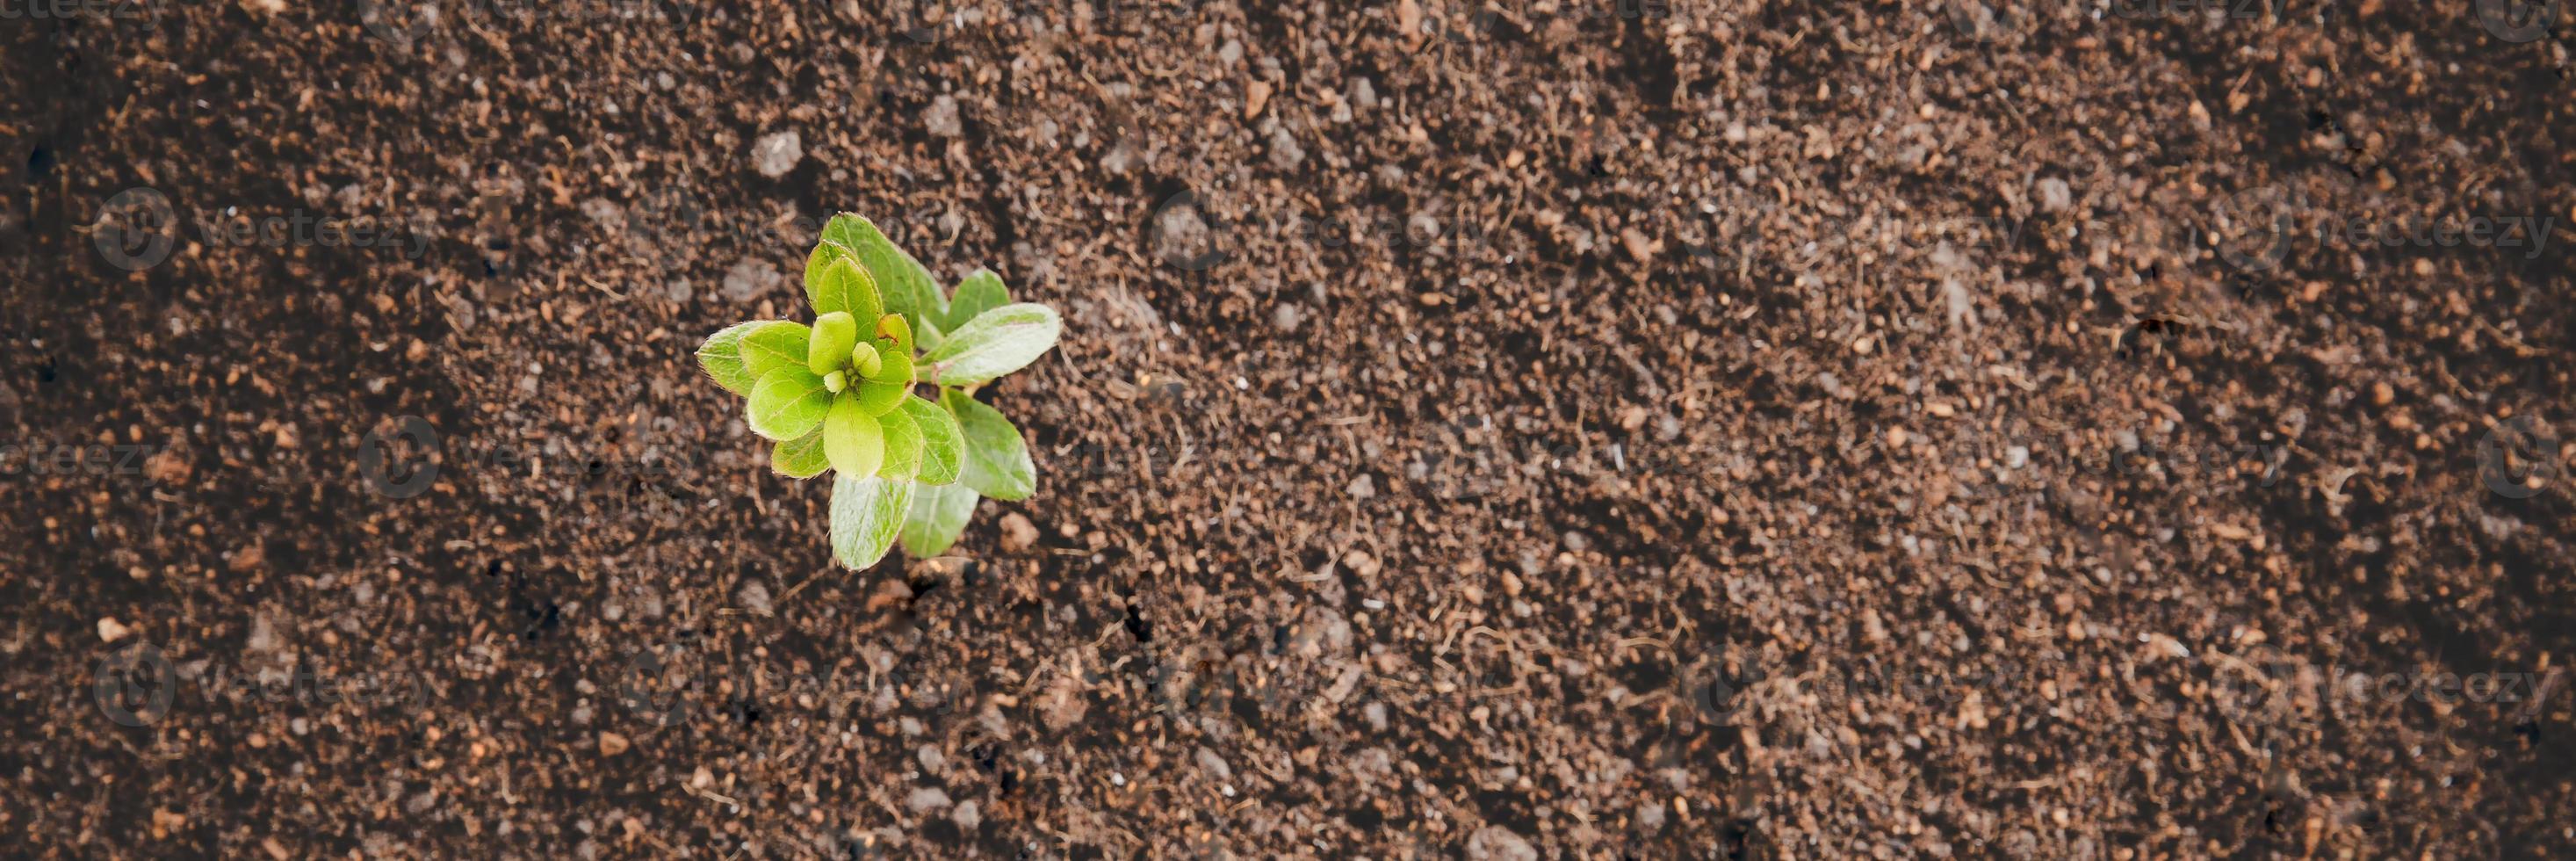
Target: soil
<point>1582,429</point>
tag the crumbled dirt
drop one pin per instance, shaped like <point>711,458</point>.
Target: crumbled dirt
<point>1585,429</point>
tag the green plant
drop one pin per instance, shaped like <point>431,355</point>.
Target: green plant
<point>839,395</point>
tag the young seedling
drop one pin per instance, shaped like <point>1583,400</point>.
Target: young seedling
<point>840,395</point>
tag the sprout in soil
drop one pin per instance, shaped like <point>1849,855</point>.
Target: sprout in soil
<point>839,395</point>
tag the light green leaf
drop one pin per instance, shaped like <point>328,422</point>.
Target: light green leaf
<point>877,397</point>
<point>943,446</point>
<point>937,516</point>
<point>867,512</point>
<point>997,459</point>
<point>829,346</point>
<point>896,366</point>
<point>981,291</point>
<point>852,439</point>
<point>788,403</point>
<point>773,345</point>
<point>906,287</point>
<point>902,444</point>
<point>895,329</point>
<point>996,342</point>
<point>801,457</point>
<point>929,336</point>
<point>721,356</point>
<point>841,284</point>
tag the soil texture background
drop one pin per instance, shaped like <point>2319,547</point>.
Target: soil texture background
<point>1587,428</point>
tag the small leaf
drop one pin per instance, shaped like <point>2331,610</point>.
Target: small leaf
<point>842,286</point>
<point>937,516</point>
<point>788,403</point>
<point>906,287</point>
<point>773,345</point>
<point>825,253</point>
<point>829,346</point>
<point>867,512</point>
<point>996,342</point>
<point>877,397</point>
<point>801,457</point>
<point>892,328</point>
<point>896,367</point>
<point>981,291</point>
<point>902,444</point>
<point>997,459</point>
<point>943,446</point>
<point>721,356</point>
<point>852,439</point>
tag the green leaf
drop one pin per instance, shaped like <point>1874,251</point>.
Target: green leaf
<point>902,444</point>
<point>801,457</point>
<point>877,397</point>
<point>852,439</point>
<point>937,516</point>
<point>896,366</point>
<point>773,345</point>
<point>721,356</point>
<point>929,336</point>
<point>829,347</point>
<point>996,342</point>
<point>981,291</point>
<point>943,446</point>
<point>997,459</point>
<point>893,328</point>
<point>788,403</point>
<point>901,280</point>
<point>867,512</point>
<point>841,285</point>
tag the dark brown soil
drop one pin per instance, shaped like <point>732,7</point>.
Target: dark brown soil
<point>1589,429</point>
